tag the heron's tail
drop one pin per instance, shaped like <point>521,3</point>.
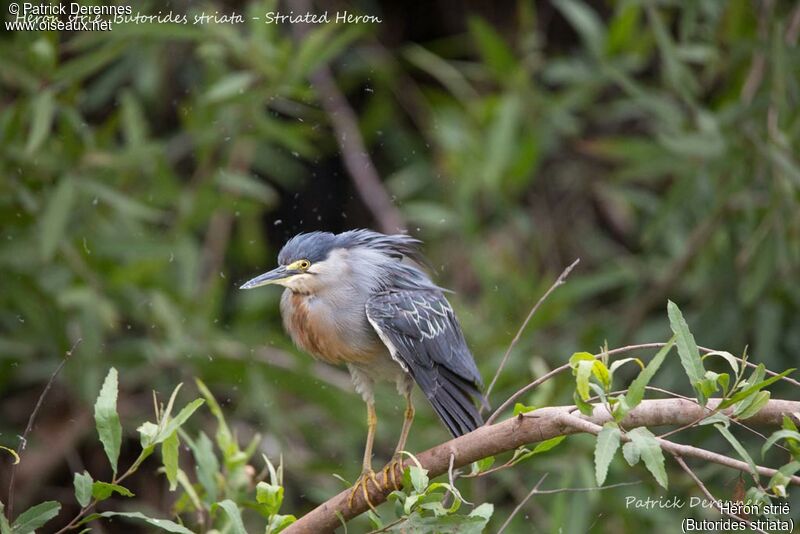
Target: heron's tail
<point>452,399</point>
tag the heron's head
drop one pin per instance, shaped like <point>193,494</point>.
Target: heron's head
<point>317,260</point>
<point>304,263</point>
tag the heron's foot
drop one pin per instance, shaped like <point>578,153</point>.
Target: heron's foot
<point>394,472</point>
<point>367,477</point>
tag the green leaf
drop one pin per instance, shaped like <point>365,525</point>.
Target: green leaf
<point>687,349</point>
<point>5,526</point>
<point>751,389</point>
<point>482,465</point>
<point>730,358</point>
<point>170,448</point>
<point>606,446</point>
<point>270,497</point>
<point>107,420</point>
<point>234,515</point>
<point>206,465</point>
<point>55,217</point>
<point>35,516</point>
<point>176,422</point>
<point>600,372</point>
<point>44,107</point>
<point>523,453</point>
<point>83,488</point>
<point>279,522</point>
<point>779,434</point>
<point>752,405</point>
<point>649,451</point>
<point>582,374</point>
<point>583,406</point>
<point>163,524</point>
<point>782,478</point>
<point>520,408</point>
<point>631,453</point>
<point>739,449</point>
<point>418,478</point>
<point>232,85</point>
<point>495,51</point>
<point>616,364</point>
<point>637,388</point>
<point>224,437</point>
<point>103,490</point>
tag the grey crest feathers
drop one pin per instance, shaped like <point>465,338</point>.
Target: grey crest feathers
<point>315,246</point>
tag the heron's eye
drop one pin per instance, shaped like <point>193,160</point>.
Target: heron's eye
<point>303,265</point>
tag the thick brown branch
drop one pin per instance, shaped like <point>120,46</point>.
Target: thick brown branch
<point>547,423</point>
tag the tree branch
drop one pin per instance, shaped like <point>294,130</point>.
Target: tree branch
<point>541,425</point>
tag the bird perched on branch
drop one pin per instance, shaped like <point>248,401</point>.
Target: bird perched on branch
<point>360,298</point>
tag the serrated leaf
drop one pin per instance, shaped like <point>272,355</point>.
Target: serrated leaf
<point>606,446</point>
<point>107,420</point>
<point>631,453</point>
<point>650,452</point>
<point>170,448</point>
<point>234,515</point>
<point>83,488</point>
<point>163,524</point>
<point>103,490</point>
<point>687,349</point>
<point>55,217</point>
<point>35,516</point>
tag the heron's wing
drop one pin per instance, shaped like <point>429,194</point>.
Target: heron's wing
<point>423,335</point>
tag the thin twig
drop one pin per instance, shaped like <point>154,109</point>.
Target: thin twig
<point>522,503</point>
<point>710,497</point>
<point>559,281</point>
<point>31,420</point>
<point>584,425</point>
<point>558,370</point>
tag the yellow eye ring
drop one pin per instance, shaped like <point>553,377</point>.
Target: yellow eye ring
<point>303,265</point>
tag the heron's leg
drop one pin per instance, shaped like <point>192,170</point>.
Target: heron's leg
<point>395,468</point>
<point>367,474</point>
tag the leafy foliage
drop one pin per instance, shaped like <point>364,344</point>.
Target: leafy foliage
<point>147,169</point>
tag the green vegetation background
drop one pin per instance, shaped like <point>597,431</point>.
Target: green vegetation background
<point>145,172</point>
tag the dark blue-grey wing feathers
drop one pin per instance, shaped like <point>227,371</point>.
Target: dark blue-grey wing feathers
<point>423,334</point>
